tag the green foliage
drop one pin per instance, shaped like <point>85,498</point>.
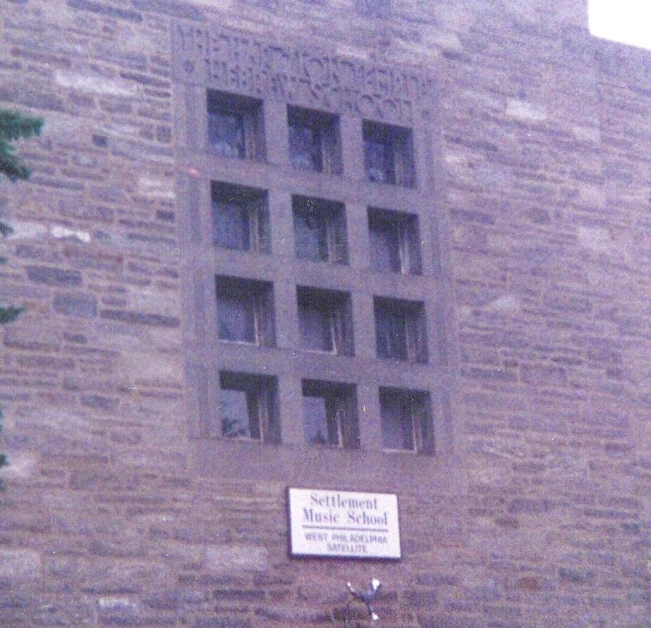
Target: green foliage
<point>13,126</point>
<point>9,314</point>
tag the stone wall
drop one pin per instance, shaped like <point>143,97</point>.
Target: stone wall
<point>544,176</point>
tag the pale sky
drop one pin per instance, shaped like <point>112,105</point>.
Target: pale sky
<point>626,21</point>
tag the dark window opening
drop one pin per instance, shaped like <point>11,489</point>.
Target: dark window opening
<point>406,420</point>
<point>245,311</point>
<point>325,321</point>
<point>235,126</point>
<point>314,141</point>
<point>388,154</point>
<point>240,218</point>
<point>395,241</point>
<point>319,230</point>
<point>248,407</point>
<point>330,414</point>
<point>400,330</point>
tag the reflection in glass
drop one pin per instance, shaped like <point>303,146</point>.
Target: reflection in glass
<point>311,233</point>
<point>385,246</point>
<point>231,228</point>
<point>305,147</point>
<point>235,414</point>
<point>226,134</point>
<point>236,314</point>
<point>315,421</point>
<point>378,157</point>
<point>391,333</point>
<point>397,422</point>
<point>315,321</point>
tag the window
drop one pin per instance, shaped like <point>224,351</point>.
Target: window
<point>245,311</point>
<point>248,407</point>
<point>240,218</point>
<point>395,242</point>
<point>314,141</point>
<point>388,154</point>
<point>330,414</point>
<point>235,126</point>
<point>406,420</point>
<point>400,330</point>
<point>325,321</point>
<point>319,230</point>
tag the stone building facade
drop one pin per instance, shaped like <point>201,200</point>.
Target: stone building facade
<point>372,246</point>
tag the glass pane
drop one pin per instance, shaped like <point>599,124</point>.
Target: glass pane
<point>385,246</point>
<point>305,148</point>
<point>316,327</point>
<point>230,226</point>
<point>226,134</point>
<point>236,313</point>
<point>311,234</point>
<point>235,414</point>
<point>378,161</point>
<point>397,429</point>
<point>391,336</point>
<point>315,420</point>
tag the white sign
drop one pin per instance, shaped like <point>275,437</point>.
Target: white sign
<point>342,524</point>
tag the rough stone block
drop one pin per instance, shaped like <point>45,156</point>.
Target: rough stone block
<point>221,622</point>
<point>22,465</point>
<point>141,318</point>
<point>28,338</point>
<point>106,10</point>
<point>54,276</point>
<point>228,559</point>
<point>75,304</point>
<point>420,598</point>
<point>529,506</point>
<point>99,402</point>
<point>18,564</point>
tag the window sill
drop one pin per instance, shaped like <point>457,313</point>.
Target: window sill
<point>304,465</point>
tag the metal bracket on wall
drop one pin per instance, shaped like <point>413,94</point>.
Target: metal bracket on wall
<point>367,597</point>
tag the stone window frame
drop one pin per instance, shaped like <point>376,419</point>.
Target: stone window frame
<point>412,104</point>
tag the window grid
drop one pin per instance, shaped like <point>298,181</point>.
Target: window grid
<point>245,307</point>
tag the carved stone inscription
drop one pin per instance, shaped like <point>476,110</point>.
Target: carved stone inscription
<point>239,63</point>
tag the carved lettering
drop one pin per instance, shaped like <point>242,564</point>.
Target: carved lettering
<point>233,62</point>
